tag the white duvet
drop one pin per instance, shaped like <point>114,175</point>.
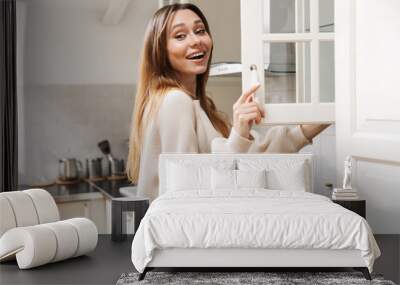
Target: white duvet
<point>250,219</point>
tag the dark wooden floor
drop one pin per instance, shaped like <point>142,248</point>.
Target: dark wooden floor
<point>102,266</point>
<point>111,259</point>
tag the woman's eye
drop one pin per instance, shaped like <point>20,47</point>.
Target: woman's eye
<point>183,36</point>
<point>180,37</point>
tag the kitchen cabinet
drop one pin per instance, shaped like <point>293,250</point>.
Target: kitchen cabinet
<point>291,43</point>
<point>89,199</point>
<point>94,209</point>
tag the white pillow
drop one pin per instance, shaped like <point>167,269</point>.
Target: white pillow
<point>187,177</point>
<point>223,179</point>
<point>282,174</point>
<point>192,174</point>
<point>251,178</point>
<point>293,179</point>
<point>229,179</point>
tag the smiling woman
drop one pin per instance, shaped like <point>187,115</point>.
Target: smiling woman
<point>172,112</point>
<point>189,47</point>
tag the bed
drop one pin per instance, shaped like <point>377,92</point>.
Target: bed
<point>246,211</point>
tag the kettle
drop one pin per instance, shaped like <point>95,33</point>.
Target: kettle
<point>69,169</point>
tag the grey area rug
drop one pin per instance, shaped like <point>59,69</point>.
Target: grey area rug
<point>269,278</point>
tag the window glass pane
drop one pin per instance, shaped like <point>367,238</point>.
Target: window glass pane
<point>304,70</point>
<point>327,72</point>
<point>306,16</point>
<point>287,72</point>
<point>286,16</point>
<point>326,18</point>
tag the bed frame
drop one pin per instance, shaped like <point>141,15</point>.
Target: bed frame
<point>247,259</point>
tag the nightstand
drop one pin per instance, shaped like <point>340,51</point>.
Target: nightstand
<point>357,206</point>
<point>138,205</point>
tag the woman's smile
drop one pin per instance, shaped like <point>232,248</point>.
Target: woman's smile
<point>198,57</point>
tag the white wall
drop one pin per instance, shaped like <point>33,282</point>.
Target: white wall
<point>224,19</point>
<point>379,184</point>
<point>67,43</point>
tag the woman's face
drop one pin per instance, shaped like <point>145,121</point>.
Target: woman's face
<point>188,44</point>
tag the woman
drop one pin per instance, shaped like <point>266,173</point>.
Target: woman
<point>172,112</point>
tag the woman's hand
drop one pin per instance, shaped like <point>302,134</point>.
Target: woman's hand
<point>246,111</point>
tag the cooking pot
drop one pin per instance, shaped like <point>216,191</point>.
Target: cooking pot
<point>69,169</point>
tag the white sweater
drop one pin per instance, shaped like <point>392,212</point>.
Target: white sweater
<point>182,126</point>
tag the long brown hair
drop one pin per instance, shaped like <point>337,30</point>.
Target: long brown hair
<point>157,77</point>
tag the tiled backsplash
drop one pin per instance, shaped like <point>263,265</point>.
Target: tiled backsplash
<point>69,121</point>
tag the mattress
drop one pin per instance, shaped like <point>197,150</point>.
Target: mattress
<point>250,218</point>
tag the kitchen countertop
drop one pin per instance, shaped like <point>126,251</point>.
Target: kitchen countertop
<point>110,188</point>
<point>85,190</point>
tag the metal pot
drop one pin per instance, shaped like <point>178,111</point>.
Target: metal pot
<point>94,168</point>
<point>117,167</point>
<point>69,169</point>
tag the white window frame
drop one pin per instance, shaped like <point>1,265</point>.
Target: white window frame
<point>252,41</point>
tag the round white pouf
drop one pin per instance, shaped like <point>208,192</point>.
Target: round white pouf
<point>33,246</point>
<point>87,234</point>
<point>23,208</point>
<point>40,244</point>
<point>6,216</point>
<point>67,240</point>
<point>45,205</point>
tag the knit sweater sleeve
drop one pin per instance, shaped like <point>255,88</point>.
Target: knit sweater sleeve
<point>279,139</point>
<point>282,139</point>
<point>177,123</point>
